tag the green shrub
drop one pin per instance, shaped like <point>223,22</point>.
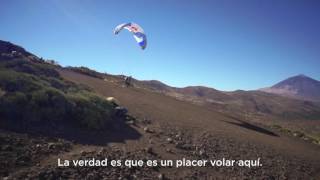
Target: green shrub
<point>48,104</point>
<point>35,93</point>
<point>39,69</point>
<point>12,81</point>
<point>91,110</point>
<point>13,106</point>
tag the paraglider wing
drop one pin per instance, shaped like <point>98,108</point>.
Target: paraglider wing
<point>120,27</point>
<point>137,32</point>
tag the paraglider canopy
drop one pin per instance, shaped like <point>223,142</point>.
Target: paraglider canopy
<point>137,32</point>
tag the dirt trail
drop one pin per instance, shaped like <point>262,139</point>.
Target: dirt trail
<point>167,110</point>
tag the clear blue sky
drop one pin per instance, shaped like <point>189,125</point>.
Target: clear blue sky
<point>225,44</point>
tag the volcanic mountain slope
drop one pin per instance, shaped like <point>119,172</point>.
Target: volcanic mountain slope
<point>167,111</point>
<point>301,87</point>
<point>255,103</point>
<point>159,126</point>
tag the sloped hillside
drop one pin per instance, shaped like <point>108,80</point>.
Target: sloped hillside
<point>299,87</point>
<point>33,94</point>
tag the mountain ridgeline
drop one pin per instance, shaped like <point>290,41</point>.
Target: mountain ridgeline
<point>27,80</point>
<point>257,103</point>
<point>300,87</point>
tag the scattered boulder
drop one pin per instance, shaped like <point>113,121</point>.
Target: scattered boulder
<point>169,150</point>
<point>112,100</point>
<point>101,151</point>
<point>202,153</point>
<point>149,150</point>
<point>147,130</point>
<point>131,122</point>
<point>146,121</point>
<point>161,176</point>
<point>51,145</point>
<point>121,111</point>
<point>83,153</point>
<point>298,134</point>
<point>169,140</point>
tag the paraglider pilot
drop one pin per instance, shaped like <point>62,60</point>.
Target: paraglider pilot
<point>127,81</point>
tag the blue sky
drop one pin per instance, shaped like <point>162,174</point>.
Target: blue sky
<point>225,44</point>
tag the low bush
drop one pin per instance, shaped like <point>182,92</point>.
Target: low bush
<point>35,93</point>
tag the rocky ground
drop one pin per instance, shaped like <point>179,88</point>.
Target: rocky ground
<point>26,156</point>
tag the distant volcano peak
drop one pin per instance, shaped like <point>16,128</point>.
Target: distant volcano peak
<point>300,86</point>
<point>301,75</point>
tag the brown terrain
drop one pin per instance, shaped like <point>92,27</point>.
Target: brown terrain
<point>175,123</point>
<point>238,137</point>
